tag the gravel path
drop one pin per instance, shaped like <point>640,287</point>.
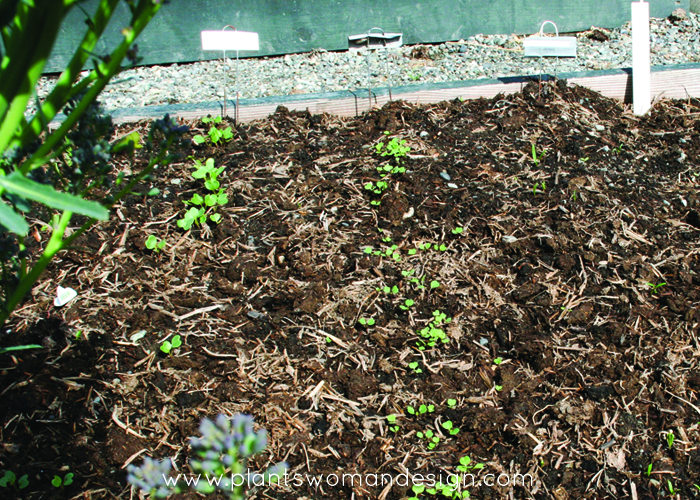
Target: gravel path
<point>675,40</point>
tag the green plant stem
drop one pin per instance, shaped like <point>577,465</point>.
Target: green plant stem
<point>27,58</point>
<point>106,71</point>
<point>54,245</point>
<point>64,85</point>
<point>57,243</point>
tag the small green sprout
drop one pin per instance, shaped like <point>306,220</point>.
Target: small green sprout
<point>434,284</point>
<point>153,243</point>
<point>465,465</point>
<point>458,230</point>
<point>407,274</point>
<point>60,483</point>
<point>408,303</point>
<point>412,251</point>
<point>392,420</point>
<point>368,250</point>
<point>696,487</point>
<point>448,426</point>
<point>535,157</point>
<point>654,288</point>
<point>452,403</point>
<point>429,436</point>
<point>670,437</point>
<point>328,340</point>
<point>671,490</point>
<point>414,366</point>
<point>539,184</point>
<point>214,134</point>
<point>499,388</point>
<point>9,479</point>
<point>498,361</point>
<point>417,490</point>
<point>366,321</point>
<point>618,149</point>
<point>650,468</point>
<point>168,346</point>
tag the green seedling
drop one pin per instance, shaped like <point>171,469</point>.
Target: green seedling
<point>412,251</point>
<point>408,274</point>
<point>432,334</point>
<point>395,148</point>
<point>434,284</point>
<point>498,361</point>
<point>408,303</point>
<point>168,346</point>
<point>203,206</point>
<point>466,466</point>
<point>452,403</point>
<point>153,243</point>
<point>214,134</point>
<point>655,288</point>
<point>388,289</point>
<point>618,149</point>
<point>328,340</point>
<point>430,437</point>
<point>377,188</point>
<point>393,427</point>
<point>535,157</point>
<point>417,489</point>
<point>583,161</point>
<point>458,230</point>
<point>671,490</point>
<point>422,409</point>
<point>539,184</point>
<point>449,427</point>
<point>366,321</point>
<point>414,366</point>
<point>670,437</point>
<point>60,483</point>
<point>650,468</point>
<point>499,388</point>
<point>696,487</point>
<point>9,479</point>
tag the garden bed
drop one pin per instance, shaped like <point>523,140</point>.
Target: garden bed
<point>563,237</point>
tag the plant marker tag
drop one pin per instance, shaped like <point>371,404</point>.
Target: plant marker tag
<point>375,39</point>
<point>63,296</point>
<point>230,40</point>
<point>641,59</point>
<point>548,46</point>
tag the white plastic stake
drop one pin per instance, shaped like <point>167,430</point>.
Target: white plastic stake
<point>641,58</point>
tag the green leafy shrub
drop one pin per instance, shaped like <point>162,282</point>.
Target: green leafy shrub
<point>66,170</point>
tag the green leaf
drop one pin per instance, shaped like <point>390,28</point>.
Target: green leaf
<point>166,347</point>
<point>8,479</point>
<point>199,139</point>
<point>127,143</point>
<point>14,222</point>
<point>68,479</point>
<point>17,184</point>
<point>3,350</point>
<point>23,482</point>
<point>56,481</point>
<point>215,218</point>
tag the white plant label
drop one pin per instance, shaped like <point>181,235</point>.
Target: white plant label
<point>230,40</point>
<point>63,296</point>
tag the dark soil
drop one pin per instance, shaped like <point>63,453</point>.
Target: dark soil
<point>580,271</point>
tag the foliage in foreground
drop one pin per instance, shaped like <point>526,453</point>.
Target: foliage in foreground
<point>66,170</point>
<point>222,454</point>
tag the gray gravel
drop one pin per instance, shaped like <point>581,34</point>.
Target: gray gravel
<point>673,41</point>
